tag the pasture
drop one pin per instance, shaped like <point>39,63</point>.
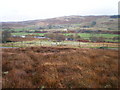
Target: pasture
<point>52,43</point>
<point>82,35</point>
<point>23,33</point>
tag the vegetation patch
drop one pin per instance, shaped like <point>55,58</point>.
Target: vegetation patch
<point>59,67</point>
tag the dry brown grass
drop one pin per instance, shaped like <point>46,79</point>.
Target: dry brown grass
<point>55,67</point>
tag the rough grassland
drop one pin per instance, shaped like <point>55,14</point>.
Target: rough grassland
<point>53,67</point>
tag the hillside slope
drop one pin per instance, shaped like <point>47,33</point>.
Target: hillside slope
<point>105,22</point>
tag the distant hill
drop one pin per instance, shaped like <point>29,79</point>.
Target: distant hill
<point>104,22</point>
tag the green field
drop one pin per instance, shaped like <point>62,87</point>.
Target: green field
<point>74,44</point>
<point>82,35</point>
<point>22,33</point>
<point>87,35</point>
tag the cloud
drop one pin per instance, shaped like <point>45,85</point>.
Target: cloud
<point>18,10</point>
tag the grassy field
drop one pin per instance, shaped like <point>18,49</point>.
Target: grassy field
<point>74,44</point>
<point>87,35</point>
<point>83,35</point>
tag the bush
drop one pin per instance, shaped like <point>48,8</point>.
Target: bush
<point>97,39</point>
<point>5,36</point>
<point>56,36</point>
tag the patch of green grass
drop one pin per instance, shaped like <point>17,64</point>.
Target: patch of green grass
<point>110,40</point>
<point>22,33</point>
<point>87,35</point>
<point>83,35</point>
<point>74,44</point>
<point>40,34</point>
<point>49,43</point>
<point>19,29</point>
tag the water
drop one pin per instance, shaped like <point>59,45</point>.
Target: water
<point>8,47</point>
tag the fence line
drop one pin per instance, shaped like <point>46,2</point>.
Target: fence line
<point>27,44</point>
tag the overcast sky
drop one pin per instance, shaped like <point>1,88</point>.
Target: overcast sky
<point>21,10</point>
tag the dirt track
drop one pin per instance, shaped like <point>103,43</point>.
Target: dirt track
<point>36,67</point>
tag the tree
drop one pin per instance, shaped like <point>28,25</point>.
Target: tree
<point>70,37</point>
<point>93,23</point>
<point>5,36</point>
<point>93,38</point>
<point>101,39</point>
<point>77,37</point>
<point>50,35</point>
<point>49,26</point>
<point>56,36</point>
<point>116,38</point>
<point>115,16</point>
<point>97,39</point>
<point>59,37</point>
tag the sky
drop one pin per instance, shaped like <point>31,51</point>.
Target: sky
<point>22,10</point>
